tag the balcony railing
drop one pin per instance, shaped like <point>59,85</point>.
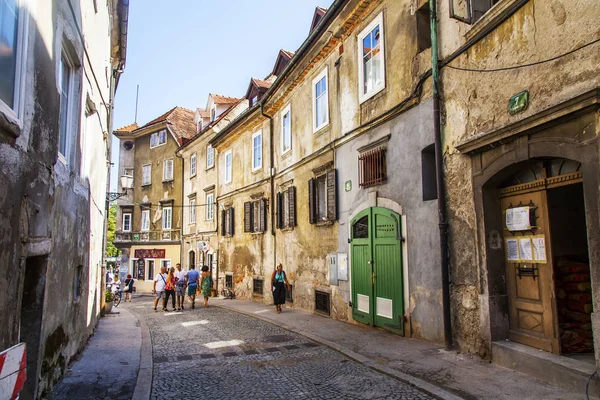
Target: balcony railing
<point>168,235</point>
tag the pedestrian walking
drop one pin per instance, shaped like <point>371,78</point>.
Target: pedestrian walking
<point>180,287</point>
<point>117,285</point>
<point>192,284</point>
<point>279,284</point>
<point>169,290</point>
<point>206,284</point>
<point>160,280</point>
<point>128,287</point>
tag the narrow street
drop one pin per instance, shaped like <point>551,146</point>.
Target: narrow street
<point>227,355</point>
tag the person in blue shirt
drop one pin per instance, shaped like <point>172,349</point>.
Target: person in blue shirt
<point>191,279</point>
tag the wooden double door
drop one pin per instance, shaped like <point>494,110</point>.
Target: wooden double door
<point>376,269</point>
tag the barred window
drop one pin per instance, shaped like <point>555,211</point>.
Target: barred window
<point>372,168</point>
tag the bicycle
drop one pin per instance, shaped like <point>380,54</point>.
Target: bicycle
<point>117,298</point>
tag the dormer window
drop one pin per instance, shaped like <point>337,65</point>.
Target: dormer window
<point>254,100</point>
<point>213,114</point>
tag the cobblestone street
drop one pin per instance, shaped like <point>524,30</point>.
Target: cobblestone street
<point>227,355</point>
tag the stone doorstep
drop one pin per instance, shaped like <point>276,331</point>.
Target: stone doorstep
<point>573,375</point>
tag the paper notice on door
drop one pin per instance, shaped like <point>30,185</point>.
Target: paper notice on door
<point>512,250</point>
<point>517,219</point>
<point>525,250</point>
<point>539,248</point>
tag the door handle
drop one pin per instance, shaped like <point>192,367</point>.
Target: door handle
<point>370,262</point>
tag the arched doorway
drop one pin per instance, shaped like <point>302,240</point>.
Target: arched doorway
<point>192,259</point>
<point>376,269</point>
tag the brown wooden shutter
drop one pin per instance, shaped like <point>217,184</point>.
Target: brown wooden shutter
<point>331,195</point>
<point>231,222</point>
<point>292,206</point>
<point>262,213</point>
<point>223,224</point>
<point>312,204</point>
<point>248,216</point>
<point>279,220</point>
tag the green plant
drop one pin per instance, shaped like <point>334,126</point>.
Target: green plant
<point>108,297</point>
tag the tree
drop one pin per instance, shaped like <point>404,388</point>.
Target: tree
<point>111,250</point>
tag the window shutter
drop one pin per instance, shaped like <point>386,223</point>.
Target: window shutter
<point>231,222</point>
<point>262,213</point>
<point>279,220</point>
<point>223,226</point>
<point>292,206</point>
<point>331,195</point>
<point>312,206</point>
<point>248,216</point>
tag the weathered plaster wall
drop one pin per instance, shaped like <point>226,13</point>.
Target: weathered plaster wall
<point>410,133</point>
<point>477,103</point>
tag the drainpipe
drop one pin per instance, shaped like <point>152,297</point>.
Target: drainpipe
<point>439,167</point>
<point>272,181</point>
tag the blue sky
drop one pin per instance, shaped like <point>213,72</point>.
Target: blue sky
<point>178,51</point>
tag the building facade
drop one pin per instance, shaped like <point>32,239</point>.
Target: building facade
<point>54,127</point>
<point>149,221</point>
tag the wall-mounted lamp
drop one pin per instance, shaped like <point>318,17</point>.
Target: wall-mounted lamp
<point>126,183</point>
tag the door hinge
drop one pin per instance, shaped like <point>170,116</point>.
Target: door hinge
<point>349,240</point>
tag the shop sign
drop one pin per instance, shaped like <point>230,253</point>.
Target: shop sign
<point>150,253</point>
<point>518,102</point>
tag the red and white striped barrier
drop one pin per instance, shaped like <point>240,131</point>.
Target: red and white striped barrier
<point>13,363</point>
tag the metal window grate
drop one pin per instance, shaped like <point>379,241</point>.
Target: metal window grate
<point>322,302</point>
<point>257,286</point>
<point>229,281</point>
<point>372,168</point>
<point>289,296</point>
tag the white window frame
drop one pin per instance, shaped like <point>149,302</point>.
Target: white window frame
<point>130,215</point>
<point>287,109</point>
<point>378,20</point>
<point>167,223</point>
<point>322,74</point>
<point>145,222</point>
<point>165,169</point>
<point>66,158</point>
<point>149,182</point>
<point>158,135</point>
<point>128,169</point>
<point>228,172</point>
<point>254,136</point>
<point>213,113</point>
<point>193,165</point>
<point>210,208</point>
<point>17,110</point>
<point>254,100</point>
<point>192,211</point>
<point>210,161</point>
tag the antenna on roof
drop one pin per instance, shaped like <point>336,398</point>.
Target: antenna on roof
<point>137,95</point>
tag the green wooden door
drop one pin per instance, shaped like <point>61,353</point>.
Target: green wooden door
<point>361,256</point>
<point>377,288</point>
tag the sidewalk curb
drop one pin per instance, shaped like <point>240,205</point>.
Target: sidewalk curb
<point>143,386</point>
<point>427,387</point>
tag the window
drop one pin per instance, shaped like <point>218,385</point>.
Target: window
<point>146,174</point>
<point>322,198</point>
<point>126,222</point>
<point>167,215</point>
<point>423,28</point>
<point>372,168</point>
<point>286,208</point>
<point>255,216</point>
<point>257,151</point>
<point>286,130</point>
<point>13,42</point>
<point>371,61</point>
<point>199,126</point>
<point>213,114</point>
<point>227,223</point>
<point>150,270</point>
<point>471,10</point>
<point>168,170</point>
<point>320,101</point>
<point>229,281</point>
<point>210,157</point>
<point>254,100</point>
<point>66,83</point>
<point>210,206</point>
<point>192,211</point>
<point>228,166</point>
<point>428,173</point>
<point>257,286</point>
<point>193,165</point>
<point>158,139</point>
<point>128,171</point>
<point>145,220</point>
<point>166,264</point>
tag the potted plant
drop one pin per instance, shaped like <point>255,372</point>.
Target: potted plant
<point>108,301</point>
